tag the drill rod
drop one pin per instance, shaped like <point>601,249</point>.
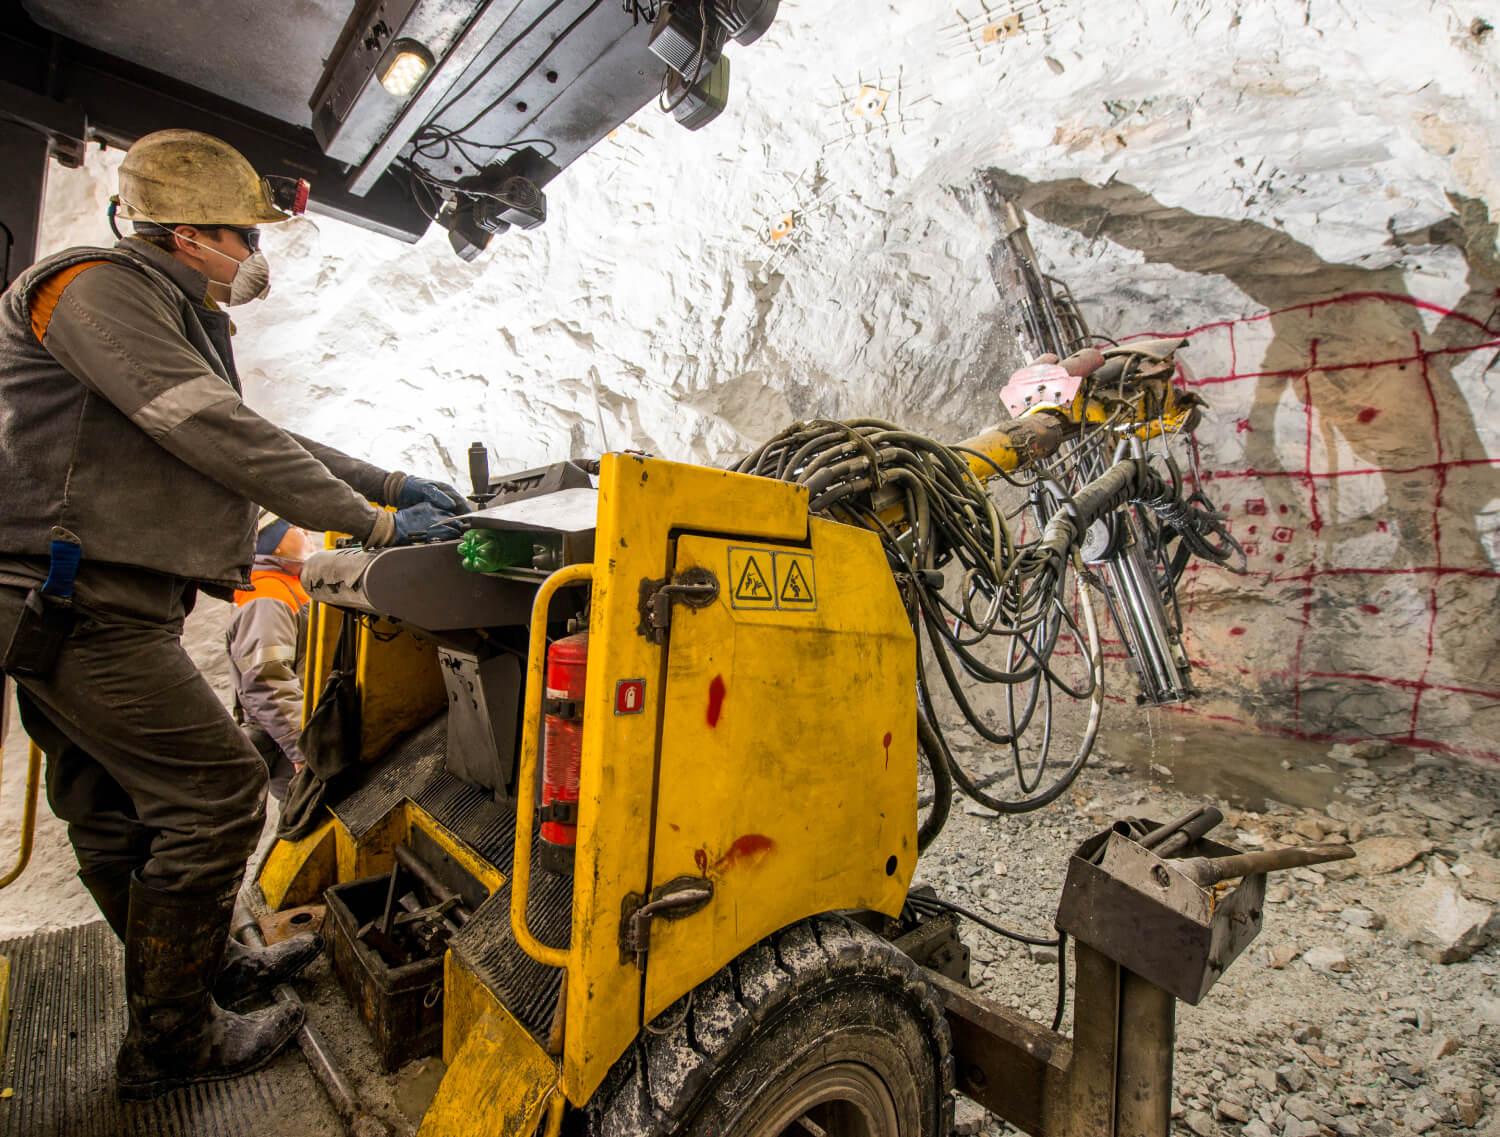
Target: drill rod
<point>357,1121</point>
<point>1206,871</point>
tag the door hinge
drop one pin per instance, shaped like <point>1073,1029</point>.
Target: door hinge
<point>695,588</point>
<point>672,901</point>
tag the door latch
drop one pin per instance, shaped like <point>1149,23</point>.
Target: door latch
<point>672,901</point>
<point>695,588</point>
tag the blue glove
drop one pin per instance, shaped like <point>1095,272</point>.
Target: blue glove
<point>426,521</point>
<point>416,491</point>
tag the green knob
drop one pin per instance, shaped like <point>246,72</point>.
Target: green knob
<point>490,550</point>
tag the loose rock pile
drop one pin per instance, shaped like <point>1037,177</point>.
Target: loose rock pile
<point>1370,1004</point>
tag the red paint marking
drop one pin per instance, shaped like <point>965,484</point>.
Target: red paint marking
<point>1283,535</point>
<point>1256,505</point>
<point>1236,631</point>
<point>1361,472</point>
<point>1313,305</point>
<point>886,742</point>
<point>1308,565</point>
<point>700,858</point>
<point>1253,529</point>
<point>747,850</point>
<point>715,700</point>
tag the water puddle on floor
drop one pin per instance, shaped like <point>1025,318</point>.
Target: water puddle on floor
<point>1233,765</point>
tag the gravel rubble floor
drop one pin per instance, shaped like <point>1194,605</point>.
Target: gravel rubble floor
<point>1331,1022</point>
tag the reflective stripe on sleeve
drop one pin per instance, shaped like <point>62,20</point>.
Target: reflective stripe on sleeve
<point>172,408</point>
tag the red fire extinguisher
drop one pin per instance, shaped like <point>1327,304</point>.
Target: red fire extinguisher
<point>567,673</point>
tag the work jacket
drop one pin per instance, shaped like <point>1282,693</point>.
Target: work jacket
<point>121,420</point>
<point>266,640</point>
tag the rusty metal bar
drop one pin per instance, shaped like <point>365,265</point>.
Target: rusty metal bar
<point>356,1119</point>
<point>1002,1060</point>
<point>1205,871</point>
<point>1085,1101</point>
<point>1147,1038</point>
<point>28,811</point>
<point>1112,1079</point>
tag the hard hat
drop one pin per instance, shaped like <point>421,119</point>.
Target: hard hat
<point>269,530</point>
<point>182,177</point>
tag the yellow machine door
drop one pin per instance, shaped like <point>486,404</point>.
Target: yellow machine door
<point>787,768</point>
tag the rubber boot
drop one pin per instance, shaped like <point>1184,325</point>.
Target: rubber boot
<point>178,1034</point>
<point>247,971</point>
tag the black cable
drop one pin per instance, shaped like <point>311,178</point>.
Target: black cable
<point>10,243</point>
<point>932,746</point>
<point>1009,594</point>
<point>526,74</point>
<point>919,901</point>
<point>1062,980</point>
<point>488,67</point>
<point>687,84</point>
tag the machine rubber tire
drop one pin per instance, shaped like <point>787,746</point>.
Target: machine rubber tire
<point>821,1010</point>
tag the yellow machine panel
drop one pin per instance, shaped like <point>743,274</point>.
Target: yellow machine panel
<point>499,1080</point>
<point>400,684</point>
<point>806,662</point>
<point>642,502</point>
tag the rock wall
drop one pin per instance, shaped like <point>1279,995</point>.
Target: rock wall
<point>1302,184</point>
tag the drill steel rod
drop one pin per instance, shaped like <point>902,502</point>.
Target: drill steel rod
<point>1190,826</point>
<point>1172,844</point>
<point>357,1121</point>
<point>1206,871</point>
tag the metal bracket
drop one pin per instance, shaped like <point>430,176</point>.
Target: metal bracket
<point>695,588</point>
<point>570,709</point>
<point>672,901</point>
<point>563,812</point>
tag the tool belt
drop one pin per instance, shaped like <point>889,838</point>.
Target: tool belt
<point>47,617</point>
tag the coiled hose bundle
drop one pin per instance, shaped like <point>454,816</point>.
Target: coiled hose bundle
<point>933,515</point>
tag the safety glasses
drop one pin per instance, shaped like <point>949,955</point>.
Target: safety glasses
<point>248,234</point>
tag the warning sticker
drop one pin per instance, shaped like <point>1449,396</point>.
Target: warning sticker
<point>794,581</point>
<point>766,579</point>
<point>751,575</point>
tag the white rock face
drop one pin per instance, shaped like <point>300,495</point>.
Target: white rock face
<point>1305,184</point>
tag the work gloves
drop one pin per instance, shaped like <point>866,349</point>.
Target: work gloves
<point>417,491</point>
<point>425,521</point>
<point>424,511</point>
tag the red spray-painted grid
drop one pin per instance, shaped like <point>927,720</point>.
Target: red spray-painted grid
<point>1236,500</point>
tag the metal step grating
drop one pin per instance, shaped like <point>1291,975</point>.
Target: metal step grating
<point>410,765</point>
<point>67,1021</point>
<point>486,945</point>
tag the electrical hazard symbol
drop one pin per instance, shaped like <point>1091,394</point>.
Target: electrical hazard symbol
<point>794,581</point>
<point>766,579</point>
<point>751,573</point>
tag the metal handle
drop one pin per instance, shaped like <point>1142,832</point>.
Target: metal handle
<point>531,724</point>
<point>1206,871</point>
<point>28,813</point>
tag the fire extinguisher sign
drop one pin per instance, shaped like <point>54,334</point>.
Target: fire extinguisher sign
<point>630,696</point>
